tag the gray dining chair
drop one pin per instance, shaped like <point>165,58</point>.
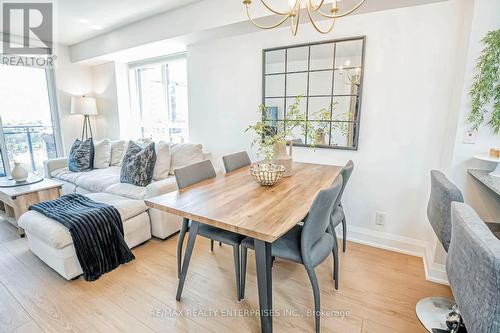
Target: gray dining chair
<point>233,162</point>
<point>337,217</point>
<point>308,244</point>
<point>185,177</point>
<point>443,193</point>
<point>236,161</point>
<point>473,269</point>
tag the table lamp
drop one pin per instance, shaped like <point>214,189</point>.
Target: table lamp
<point>85,106</point>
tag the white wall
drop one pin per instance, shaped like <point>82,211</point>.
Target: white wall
<point>106,93</point>
<point>100,81</point>
<point>485,202</point>
<point>71,80</point>
<point>107,82</point>
<point>459,156</point>
<point>410,82</point>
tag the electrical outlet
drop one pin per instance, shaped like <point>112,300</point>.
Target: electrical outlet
<point>380,218</point>
<point>470,137</point>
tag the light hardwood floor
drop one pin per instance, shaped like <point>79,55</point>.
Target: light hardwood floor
<point>378,293</point>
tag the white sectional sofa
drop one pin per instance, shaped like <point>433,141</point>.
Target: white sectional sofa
<point>52,242</point>
<point>107,180</point>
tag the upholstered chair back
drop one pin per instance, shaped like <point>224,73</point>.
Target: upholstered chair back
<point>443,193</point>
<point>314,235</point>
<point>346,174</point>
<point>194,173</point>
<point>236,161</point>
<point>473,268</point>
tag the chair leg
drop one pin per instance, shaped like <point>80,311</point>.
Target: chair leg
<point>237,270</point>
<point>344,234</point>
<point>315,286</point>
<point>187,257</point>
<point>335,253</point>
<point>180,242</point>
<point>220,243</point>
<point>243,271</point>
<point>212,245</point>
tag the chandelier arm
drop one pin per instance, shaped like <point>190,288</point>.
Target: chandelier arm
<point>340,15</point>
<point>318,29</point>
<point>294,30</point>
<point>263,26</point>
<point>315,7</point>
<point>264,2</point>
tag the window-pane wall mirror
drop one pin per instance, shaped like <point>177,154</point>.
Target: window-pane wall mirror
<point>329,78</point>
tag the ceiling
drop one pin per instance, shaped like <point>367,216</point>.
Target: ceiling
<point>78,20</point>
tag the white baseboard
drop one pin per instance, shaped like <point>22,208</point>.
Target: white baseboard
<point>433,271</point>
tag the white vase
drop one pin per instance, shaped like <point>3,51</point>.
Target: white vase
<point>284,158</point>
<point>18,173</point>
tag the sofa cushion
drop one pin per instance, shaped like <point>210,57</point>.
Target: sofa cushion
<point>184,154</point>
<point>102,154</point>
<point>45,229</point>
<point>138,164</point>
<point>81,156</point>
<point>117,151</point>
<point>160,187</point>
<point>58,236</point>
<point>128,208</point>
<point>97,180</point>
<point>127,190</point>
<point>163,159</point>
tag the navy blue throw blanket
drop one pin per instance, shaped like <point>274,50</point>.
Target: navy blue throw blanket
<point>96,229</point>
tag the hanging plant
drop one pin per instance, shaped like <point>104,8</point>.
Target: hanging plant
<point>486,86</point>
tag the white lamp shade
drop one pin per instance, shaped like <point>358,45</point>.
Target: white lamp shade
<point>83,105</point>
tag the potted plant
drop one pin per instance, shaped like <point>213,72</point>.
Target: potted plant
<point>485,90</point>
<point>272,136</point>
<point>320,128</point>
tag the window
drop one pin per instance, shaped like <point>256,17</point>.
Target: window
<point>28,119</point>
<point>159,98</point>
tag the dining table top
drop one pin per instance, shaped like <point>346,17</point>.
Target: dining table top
<point>235,202</point>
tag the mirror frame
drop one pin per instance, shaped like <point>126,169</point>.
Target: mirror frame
<point>357,121</point>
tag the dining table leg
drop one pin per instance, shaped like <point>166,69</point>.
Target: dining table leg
<point>193,231</point>
<point>263,262</point>
<point>180,242</point>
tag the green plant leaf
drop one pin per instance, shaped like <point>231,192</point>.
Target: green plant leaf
<point>486,85</point>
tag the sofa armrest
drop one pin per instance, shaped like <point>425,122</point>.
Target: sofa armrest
<point>160,187</point>
<point>54,164</point>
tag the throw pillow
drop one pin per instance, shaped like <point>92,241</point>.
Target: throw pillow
<point>184,154</point>
<point>138,164</point>
<point>102,154</point>
<point>117,151</point>
<point>162,165</point>
<point>81,156</point>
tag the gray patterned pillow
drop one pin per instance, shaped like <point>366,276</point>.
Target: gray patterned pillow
<point>138,164</point>
<point>81,156</point>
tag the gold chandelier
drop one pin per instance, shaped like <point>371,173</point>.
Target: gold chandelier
<point>293,14</point>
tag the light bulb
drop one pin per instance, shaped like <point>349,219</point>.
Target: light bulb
<point>347,63</point>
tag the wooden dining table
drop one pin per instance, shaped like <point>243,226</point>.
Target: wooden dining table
<point>235,202</point>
